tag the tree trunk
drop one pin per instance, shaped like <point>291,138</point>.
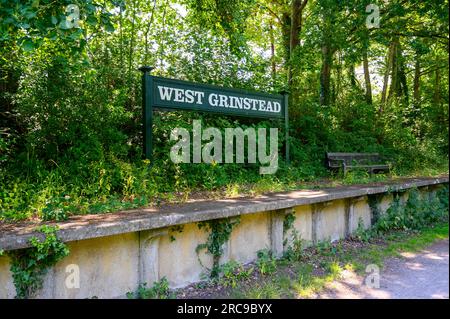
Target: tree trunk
<point>9,84</point>
<point>295,25</point>
<point>351,75</point>
<point>403,83</point>
<point>131,47</point>
<point>367,77</point>
<point>296,28</point>
<point>394,87</point>
<point>286,31</point>
<point>336,85</point>
<point>325,74</point>
<point>272,53</point>
<point>416,93</point>
<point>399,86</point>
<point>437,94</point>
<point>389,59</point>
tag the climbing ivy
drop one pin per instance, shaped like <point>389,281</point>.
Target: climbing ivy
<point>219,233</point>
<point>29,265</point>
<point>288,223</point>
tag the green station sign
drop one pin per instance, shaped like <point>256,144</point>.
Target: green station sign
<point>170,94</point>
<point>175,94</point>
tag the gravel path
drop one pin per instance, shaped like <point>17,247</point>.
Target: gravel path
<point>423,275</point>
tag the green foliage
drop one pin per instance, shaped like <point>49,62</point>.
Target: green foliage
<point>288,225</point>
<point>227,17</point>
<point>159,290</point>
<point>361,232</point>
<point>265,262</point>
<point>29,265</point>
<point>232,273</point>
<point>55,210</point>
<point>31,22</point>
<point>70,123</point>
<point>219,233</point>
<point>294,252</point>
<point>288,222</point>
<point>416,213</point>
<point>327,248</point>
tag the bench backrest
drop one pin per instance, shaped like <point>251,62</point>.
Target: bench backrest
<point>336,159</point>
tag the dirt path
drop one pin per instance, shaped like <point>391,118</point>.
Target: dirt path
<point>421,275</point>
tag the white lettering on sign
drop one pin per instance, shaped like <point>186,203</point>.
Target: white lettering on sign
<point>180,95</point>
<point>170,94</point>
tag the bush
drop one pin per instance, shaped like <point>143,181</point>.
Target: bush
<point>416,213</point>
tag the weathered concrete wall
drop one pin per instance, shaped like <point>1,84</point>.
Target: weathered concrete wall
<point>7,290</point>
<point>251,235</point>
<point>385,203</point>
<point>328,221</point>
<point>359,211</point>
<point>302,224</point>
<point>108,267</point>
<point>111,266</point>
<point>178,261</point>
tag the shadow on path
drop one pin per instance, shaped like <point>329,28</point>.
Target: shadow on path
<point>421,275</point>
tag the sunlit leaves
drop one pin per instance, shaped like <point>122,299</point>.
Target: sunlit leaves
<point>46,19</point>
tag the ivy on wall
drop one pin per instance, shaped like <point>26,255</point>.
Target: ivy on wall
<point>219,232</point>
<point>29,265</point>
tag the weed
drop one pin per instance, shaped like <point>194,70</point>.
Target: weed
<point>265,262</point>
<point>29,265</point>
<point>159,290</point>
<point>361,233</point>
<point>232,272</point>
<point>294,252</point>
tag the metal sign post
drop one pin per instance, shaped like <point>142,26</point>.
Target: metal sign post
<point>286,126</point>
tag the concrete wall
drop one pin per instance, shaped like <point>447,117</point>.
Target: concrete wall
<point>302,224</point>
<point>251,235</point>
<point>329,221</point>
<point>112,266</point>
<point>178,261</point>
<point>359,213</point>
<point>7,290</point>
<point>385,203</point>
<point>107,268</point>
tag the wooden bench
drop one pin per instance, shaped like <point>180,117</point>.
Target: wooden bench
<point>372,162</point>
